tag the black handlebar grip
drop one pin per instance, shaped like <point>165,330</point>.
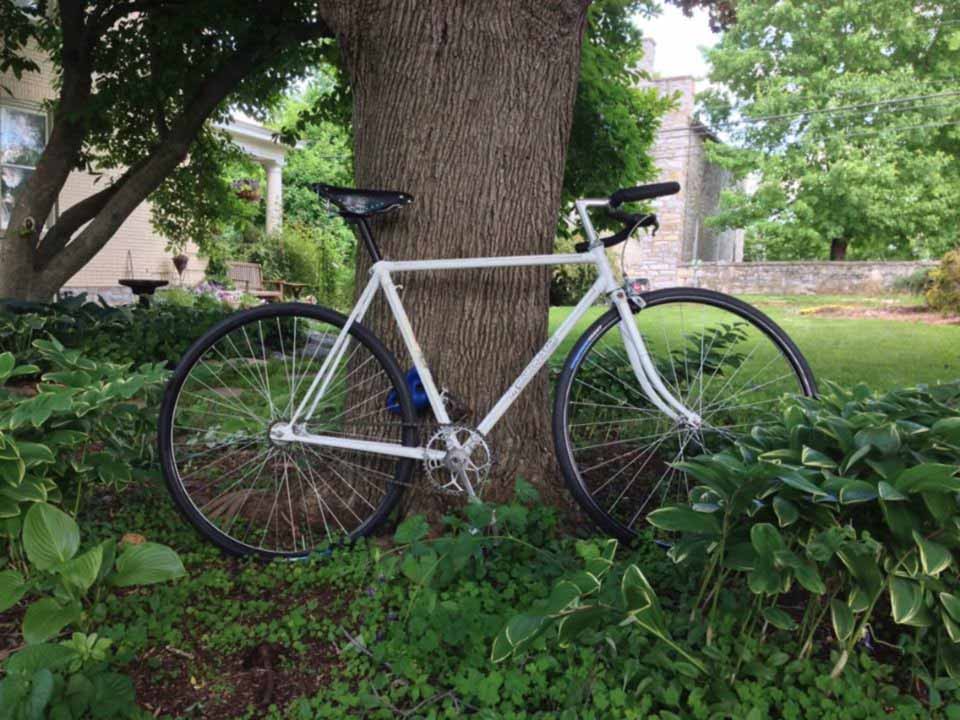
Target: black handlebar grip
<point>644,192</point>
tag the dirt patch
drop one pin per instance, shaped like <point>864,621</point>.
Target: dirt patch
<point>203,685</point>
<point>195,682</point>
<point>914,314</point>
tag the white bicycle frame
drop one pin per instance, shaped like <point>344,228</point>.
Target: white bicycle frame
<point>381,278</point>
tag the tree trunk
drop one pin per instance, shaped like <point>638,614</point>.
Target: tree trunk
<point>838,249</point>
<point>468,106</point>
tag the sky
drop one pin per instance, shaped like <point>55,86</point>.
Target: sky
<point>679,39</point>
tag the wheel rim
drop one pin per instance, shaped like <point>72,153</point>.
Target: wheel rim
<point>623,450</point>
<point>257,495</point>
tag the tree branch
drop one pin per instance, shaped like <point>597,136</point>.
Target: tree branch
<point>73,219</point>
<point>67,257</point>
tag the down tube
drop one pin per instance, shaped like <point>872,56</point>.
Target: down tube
<point>541,358</point>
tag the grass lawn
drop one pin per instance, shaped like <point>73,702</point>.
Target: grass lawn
<point>884,354</point>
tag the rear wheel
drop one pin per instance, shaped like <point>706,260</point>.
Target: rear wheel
<point>251,495</point>
<point>723,359</point>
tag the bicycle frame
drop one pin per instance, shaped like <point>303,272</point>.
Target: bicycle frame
<point>381,278</point>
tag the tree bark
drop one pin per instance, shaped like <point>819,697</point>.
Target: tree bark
<point>838,249</point>
<point>468,106</point>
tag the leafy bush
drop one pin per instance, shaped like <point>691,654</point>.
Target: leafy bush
<point>160,333</point>
<point>321,256</point>
<point>72,678</point>
<point>84,423</point>
<point>569,283</point>
<point>850,499</point>
<point>916,283</point>
<point>943,289</point>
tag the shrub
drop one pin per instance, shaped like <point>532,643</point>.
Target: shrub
<point>850,499</point>
<point>137,335</point>
<point>320,256</point>
<point>916,283</point>
<point>943,290</point>
<point>844,514</point>
<point>569,283</point>
<point>84,423</point>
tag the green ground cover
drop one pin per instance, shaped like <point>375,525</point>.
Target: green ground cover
<point>882,353</point>
<point>404,625</point>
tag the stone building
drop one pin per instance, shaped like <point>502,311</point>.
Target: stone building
<point>680,155</point>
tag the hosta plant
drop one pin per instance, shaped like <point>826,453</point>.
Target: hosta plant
<point>851,499</point>
<point>62,680</point>
<point>85,422</point>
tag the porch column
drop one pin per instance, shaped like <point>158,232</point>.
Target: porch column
<point>274,170</point>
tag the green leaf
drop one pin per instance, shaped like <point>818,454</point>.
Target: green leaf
<point>886,439</point>
<point>798,482</point>
<point>817,459</point>
<point>809,577</point>
<point>31,490</point>
<point>636,591</point>
<point>50,536</point>
<point>766,539</point>
<point>501,648</point>
<point>854,457</point>
<point>929,477</point>
<point>82,572</point>
<point>779,619</point>
<point>786,512</point>
<point>7,363</point>
<point>12,588</point>
<point>34,657</point>
<point>12,471</point>
<point>857,491</point>
<point>948,429</point>
<point>146,564</point>
<point>522,628</point>
<point>113,694</point>
<point>951,603</point>
<point>934,557</point>
<point>906,599</point>
<point>684,519</point>
<point>953,630</point>
<point>573,624</point>
<point>41,692</point>
<point>412,529</point>
<point>842,619</point>
<point>889,493</point>
<point>46,617</point>
<point>35,453</point>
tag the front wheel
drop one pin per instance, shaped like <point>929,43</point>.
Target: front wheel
<point>720,357</point>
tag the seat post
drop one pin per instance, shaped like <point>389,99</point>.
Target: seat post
<point>367,237</point>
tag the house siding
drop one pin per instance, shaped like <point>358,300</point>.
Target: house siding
<point>135,243</point>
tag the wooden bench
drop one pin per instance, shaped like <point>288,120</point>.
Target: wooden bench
<point>248,277</point>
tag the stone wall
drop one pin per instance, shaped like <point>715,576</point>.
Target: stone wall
<point>798,278</point>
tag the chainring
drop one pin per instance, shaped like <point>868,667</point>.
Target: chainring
<point>450,474</point>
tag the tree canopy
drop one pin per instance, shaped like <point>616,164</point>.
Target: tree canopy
<point>137,83</point>
<point>846,115</point>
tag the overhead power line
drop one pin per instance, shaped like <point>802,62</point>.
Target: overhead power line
<point>864,107</point>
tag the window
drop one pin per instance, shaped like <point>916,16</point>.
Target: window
<point>23,134</point>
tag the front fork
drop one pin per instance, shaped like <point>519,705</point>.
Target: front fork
<point>643,368</point>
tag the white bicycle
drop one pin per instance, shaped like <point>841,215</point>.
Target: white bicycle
<point>291,425</point>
